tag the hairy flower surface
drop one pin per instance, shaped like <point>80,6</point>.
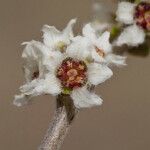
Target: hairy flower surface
<point>95,48</point>
<point>137,17</point>
<point>75,74</point>
<point>55,39</point>
<point>67,64</point>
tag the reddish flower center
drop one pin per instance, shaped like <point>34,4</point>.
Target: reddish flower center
<point>72,73</point>
<point>142,15</point>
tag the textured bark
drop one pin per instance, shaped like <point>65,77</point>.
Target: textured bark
<point>64,115</point>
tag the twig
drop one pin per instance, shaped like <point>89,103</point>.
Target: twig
<point>64,115</point>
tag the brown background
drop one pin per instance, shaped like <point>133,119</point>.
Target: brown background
<point>121,123</point>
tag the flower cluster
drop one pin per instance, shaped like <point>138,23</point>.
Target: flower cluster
<point>136,16</point>
<point>67,64</point>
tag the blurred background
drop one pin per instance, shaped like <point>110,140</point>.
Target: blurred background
<point>121,123</point>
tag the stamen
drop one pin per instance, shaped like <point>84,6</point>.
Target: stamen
<point>61,46</point>
<point>100,52</point>
<point>72,73</point>
<point>142,15</point>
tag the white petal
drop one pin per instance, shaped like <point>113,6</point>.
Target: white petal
<point>96,56</point>
<point>125,12</point>
<point>80,48</point>
<point>34,88</point>
<point>21,100</point>
<point>68,30</point>
<point>132,36</point>
<point>52,85</point>
<point>100,27</point>
<point>51,36</point>
<point>83,98</point>
<point>89,32</point>
<point>53,61</point>
<point>33,54</point>
<point>103,42</point>
<point>115,60</point>
<point>49,85</point>
<point>34,50</point>
<point>98,73</point>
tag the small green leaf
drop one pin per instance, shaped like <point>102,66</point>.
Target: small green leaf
<point>137,1</point>
<point>114,32</point>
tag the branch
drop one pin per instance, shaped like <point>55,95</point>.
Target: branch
<point>64,115</point>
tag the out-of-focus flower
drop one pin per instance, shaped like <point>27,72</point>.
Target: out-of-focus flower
<point>83,63</point>
<point>100,27</point>
<point>137,19</point>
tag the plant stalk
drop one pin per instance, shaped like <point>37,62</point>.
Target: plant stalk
<point>59,127</point>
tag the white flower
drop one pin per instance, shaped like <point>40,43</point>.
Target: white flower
<point>100,27</point>
<point>75,75</point>
<point>36,74</point>
<point>49,71</point>
<point>137,16</point>
<point>90,46</point>
<point>125,12</point>
<point>36,55</point>
<point>132,36</point>
<point>63,73</point>
<point>33,56</point>
<point>56,39</point>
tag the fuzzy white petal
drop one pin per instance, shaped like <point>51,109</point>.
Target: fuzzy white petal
<point>115,60</point>
<point>21,100</point>
<point>34,88</point>
<point>33,55</point>
<point>132,36</point>
<point>103,42</point>
<point>98,73</point>
<point>52,85</point>
<point>49,85</point>
<point>100,27</point>
<point>89,32</point>
<point>80,48</point>
<point>68,30</point>
<point>82,98</point>
<point>53,61</point>
<point>51,36</point>
<point>125,12</point>
<point>34,50</point>
<point>96,57</point>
